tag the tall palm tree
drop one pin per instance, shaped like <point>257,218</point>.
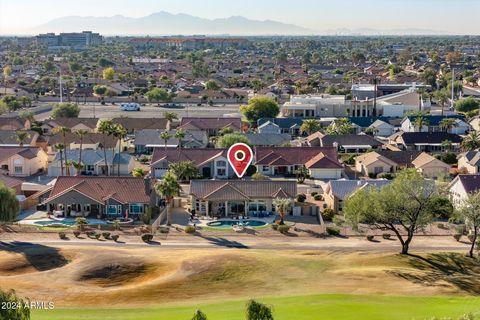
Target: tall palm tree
<point>59,147</point>
<point>180,135</point>
<point>63,131</point>
<point>282,205</point>
<point>170,116</point>
<point>471,141</point>
<point>420,122</point>
<point>442,98</point>
<point>310,126</point>
<point>448,124</point>
<point>78,167</point>
<point>21,137</point>
<point>104,127</point>
<point>165,136</point>
<point>120,134</point>
<point>81,135</point>
<point>168,188</point>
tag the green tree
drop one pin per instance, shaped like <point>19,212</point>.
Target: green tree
<point>81,133</point>
<point>199,315</point>
<point>442,98</point>
<point>108,73</point>
<point>157,94</point>
<point>180,135</point>
<point>310,126</point>
<point>302,173</point>
<point>471,141</point>
<point>260,107</point>
<point>7,72</point>
<point>258,311</point>
<point>420,122</point>
<point>469,213</point>
<point>21,137</point>
<point>60,147</point>
<point>20,313</point>
<point>65,110</point>
<point>9,206</point>
<point>467,104</point>
<point>165,136</point>
<point>170,116</point>
<point>120,133</point>
<point>212,85</point>
<point>105,127</point>
<point>259,176</point>
<point>139,172</point>
<point>447,124</point>
<point>184,170</point>
<point>404,206</point>
<point>63,131</point>
<point>100,90</point>
<point>226,141</point>
<point>168,188</point>
<point>282,206</point>
<point>340,126</point>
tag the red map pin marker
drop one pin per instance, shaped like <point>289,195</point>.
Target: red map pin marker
<point>240,156</point>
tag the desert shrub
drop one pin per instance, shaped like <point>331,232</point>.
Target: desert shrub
<point>314,193</point>
<point>370,237</point>
<point>106,235</point>
<point>333,231</point>
<point>318,197</point>
<point>274,226</point>
<point>457,236</point>
<point>97,236</point>
<point>190,229</point>
<point>115,237</point>
<point>283,228</point>
<point>76,233</point>
<point>301,197</point>
<point>147,237</point>
<point>386,236</point>
<point>62,235</point>
<point>328,214</point>
<point>90,234</point>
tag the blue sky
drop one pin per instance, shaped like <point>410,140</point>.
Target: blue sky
<point>453,16</point>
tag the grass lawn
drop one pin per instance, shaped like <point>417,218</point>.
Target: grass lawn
<point>321,306</point>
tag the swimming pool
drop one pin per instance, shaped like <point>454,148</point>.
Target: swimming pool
<point>230,223</point>
<point>66,222</point>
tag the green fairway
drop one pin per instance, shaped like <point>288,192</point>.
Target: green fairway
<point>322,306</point>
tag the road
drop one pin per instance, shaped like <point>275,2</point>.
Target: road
<point>150,111</point>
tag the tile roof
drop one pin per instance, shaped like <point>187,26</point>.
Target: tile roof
<point>322,161</point>
<point>15,123</point>
<point>90,138</point>
<point>435,120</point>
<point>72,122</point>
<point>26,152</point>
<point>268,139</point>
<point>91,157</point>
<point>471,182</point>
<point>242,190</point>
<point>198,155</point>
<point>401,158</point>
<point>134,124</point>
<point>473,157</point>
<point>429,137</point>
<point>10,182</point>
<point>284,123</point>
<point>342,189</point>
<point>122,189</point>
<point>424,159</point>
<point>9,137</point>
<point>212,123</point>
<point>350,139</point>
<point>294,155</point>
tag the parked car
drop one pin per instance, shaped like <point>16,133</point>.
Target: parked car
<point>129,107</point>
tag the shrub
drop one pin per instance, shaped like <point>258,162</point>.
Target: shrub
<point>164,229</point>
<point>259,176</point>
<point>274,226</point>
<point>147,216</point>
<point>76,233</point>
<point>62,235</point>
<point>448,158</point>
<point>147,237</point>
<point>301,197</point>
<point>372,175</point>
<point>106,235</point>
<point>337,221</point>
<point>258,311</point>
<point>90,234</point>
<point>385,175</point>
<point>370,237</point>
<point>332,231</point>
<point>283,228</point>
<point>457,236</point>
<point>314,193</point>
<point>386,236</point>
<point>115,237</point>
<point>97,236</point>
<point>199,315</point>
<point>318,197</point>
<point>328,214</point>
<point>190,229</point>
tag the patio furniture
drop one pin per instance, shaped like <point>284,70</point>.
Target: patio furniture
<point>58,213</point>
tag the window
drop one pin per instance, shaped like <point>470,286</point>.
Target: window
<point>18,169</point>
<point>90,167</point>
<point>114,210</point>
<point>221,172</point>
<point>265,168</point>
<point>136,208</point>
<point>221,163</point>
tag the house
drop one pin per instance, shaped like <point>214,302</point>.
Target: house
<point>11,182</point>
<point>433,124</point>
<point>22,161</point>
<point>74,124</point>
<point>346,143</point>
<point>99,197</point>
<point>286,125</point>
<point>148,139</point>
<point>238,197</point>
<point>211,163</point>
<point>133,125</point>
<point>94,163</point>
<point>91,141</point>
<point>337,191</point>
<point>311,106</point>
<point>462,186</point>
<point>321,162</point>
<point>269,127</point>
<point>268,139</point>
<point>469,161</point>
<point>8,138</point>
<point>426,141</point>
<point>373,163</point>
<point>210,125</point>
<point>14,124</point>
<point>382,128</point>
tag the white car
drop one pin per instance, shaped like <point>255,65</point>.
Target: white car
<point>129,107</point>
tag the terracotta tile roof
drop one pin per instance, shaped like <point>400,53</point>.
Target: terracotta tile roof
<point>198,155</point>
<point>71,122</point>
<point>212,123</point>
<point>242,190</point>
<point>9,137</point>
<point>90,138</point>
<point>134,124</point>
<point>26,152</point>
<point>326,156</point>
<point>10,182</point>
<point>122,189</point>
<point>12,123</point>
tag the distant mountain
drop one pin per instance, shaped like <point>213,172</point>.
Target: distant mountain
<point>377,32</point>
<point>164,23</point>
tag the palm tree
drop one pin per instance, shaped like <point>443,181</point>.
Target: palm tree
<point>59,147</point>
<point>78,167</point>
<point>165,136</point>
<point>282,205</point>
<point>471,141</point>
<point>120,133</point>
<point>63,131</point>
<point>21,137</point>
<point>420,122</point>
<point>448,124</point>
<point>170,116</point>
<point>180,134</point>
<point>104,127</point>
<point>81,133</point>
<point>139,172</point>
<point>310,126</point>
<point>442,98</point>
<point>168,188</point>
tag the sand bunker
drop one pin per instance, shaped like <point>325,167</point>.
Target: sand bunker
<point>22,263</point>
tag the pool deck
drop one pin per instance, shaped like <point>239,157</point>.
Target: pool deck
<point>58,221</point>
<point>203,221</point>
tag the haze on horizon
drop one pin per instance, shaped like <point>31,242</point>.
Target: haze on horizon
<point>320,16</point>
